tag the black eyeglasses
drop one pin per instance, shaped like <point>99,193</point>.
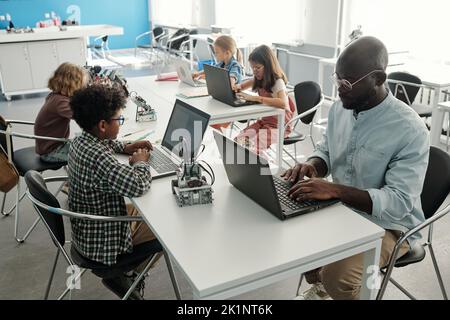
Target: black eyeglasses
<point>121,119</point>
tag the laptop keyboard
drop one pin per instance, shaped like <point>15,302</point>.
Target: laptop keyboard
<point>160,162</point>
<point>282,188</point>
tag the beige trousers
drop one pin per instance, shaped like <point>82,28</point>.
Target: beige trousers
<point>140,233</point>
<point>342,279</point>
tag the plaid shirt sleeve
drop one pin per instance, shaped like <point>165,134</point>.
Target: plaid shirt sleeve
<point>117,146</point>
<point>122,179</point>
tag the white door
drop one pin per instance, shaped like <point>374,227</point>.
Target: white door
<point>72,50</point>
<point>15,72</point>
<point>43,60</point>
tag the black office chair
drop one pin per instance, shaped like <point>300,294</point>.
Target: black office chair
<point>405,87</point>
<point>435,190</point>
<point>50,212</point>
<point>308,98</point>
<point>24,159</point>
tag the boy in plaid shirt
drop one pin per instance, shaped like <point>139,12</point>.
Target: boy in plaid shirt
<point>98,183</point>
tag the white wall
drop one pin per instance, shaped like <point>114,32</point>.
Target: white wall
<point>320,22</point>
<point>262,21</point>
<point>171,12</point>
<point>203,13</point>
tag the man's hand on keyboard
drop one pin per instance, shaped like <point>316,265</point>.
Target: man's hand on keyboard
<point>314,189</point>
<point>299,172</point>
<point>139,155</point>
<point>133,147</point>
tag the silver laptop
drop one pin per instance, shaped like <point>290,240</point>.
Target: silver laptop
<point>248,173</point>
<point>186,122</point>
<point>185,75</point>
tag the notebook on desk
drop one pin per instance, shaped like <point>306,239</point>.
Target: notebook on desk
<point>251,176</point>
<point>197,92</point>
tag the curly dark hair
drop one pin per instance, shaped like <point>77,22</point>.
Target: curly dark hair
<point>95,103</point>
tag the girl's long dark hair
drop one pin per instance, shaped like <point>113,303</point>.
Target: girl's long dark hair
<point>272,71</point>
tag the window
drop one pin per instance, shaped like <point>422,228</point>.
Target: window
<point>412,25</point>
<point>171,12</point>
<point>262,21</point>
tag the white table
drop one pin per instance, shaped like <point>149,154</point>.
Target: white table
<point>234,246</point>
<point>220,112</point>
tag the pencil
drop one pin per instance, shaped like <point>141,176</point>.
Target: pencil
<point>131,133</point>
<point>144,136</point>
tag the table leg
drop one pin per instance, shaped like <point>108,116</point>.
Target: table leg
<point>191,53</point>
<point>280,140</point>
<point>371,280</point>
<point>437,119</point>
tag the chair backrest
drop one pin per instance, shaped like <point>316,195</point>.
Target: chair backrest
<point>399,89</point>
<point>437,181</point>
<point>38,189</point>
<point>3,141</point>
<point>157,31</point>
<point>307,95</point>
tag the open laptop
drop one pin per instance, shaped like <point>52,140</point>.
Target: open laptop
<point>244,170</point>
<point>219,87</point>
<point>187,122</point>
<point>185,75</point>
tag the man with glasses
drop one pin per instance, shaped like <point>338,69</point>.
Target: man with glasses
<point>98,183</point>
<point>376,150</point>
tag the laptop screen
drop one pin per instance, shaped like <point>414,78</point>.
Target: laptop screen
<point>188,123</point>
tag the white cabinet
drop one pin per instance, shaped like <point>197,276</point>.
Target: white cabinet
<point>15,71</point>
<point>25,67</point>
<point>71,50</point>
<point>44,61</point>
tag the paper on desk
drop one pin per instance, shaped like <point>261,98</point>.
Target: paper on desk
<point>172,76</point>
<point>193,92</point>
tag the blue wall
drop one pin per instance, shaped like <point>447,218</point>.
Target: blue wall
<point>132,15</point>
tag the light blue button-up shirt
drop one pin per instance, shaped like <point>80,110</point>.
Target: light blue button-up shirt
<point>233,68</point>
<point>384,151</point>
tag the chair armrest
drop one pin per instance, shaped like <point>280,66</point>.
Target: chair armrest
<point>161,36</point>
<point>19,122</point>
<point>438,215</point>
<point>169,42</point>
<point>406,83</point>
<point>56,179</point>
<point>304,114</point>
<point>143,35</point>
<point>81,216</point>
<point>32,136</point>
<point>100,37</point>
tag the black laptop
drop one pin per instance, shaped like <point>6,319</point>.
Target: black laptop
<point>250,174</point>
<point>219,87</point>
<point>186,121</point>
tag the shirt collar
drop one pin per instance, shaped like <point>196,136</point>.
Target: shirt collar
<point>378,108</point>
<point>89,136</point>
<point>232,61</point>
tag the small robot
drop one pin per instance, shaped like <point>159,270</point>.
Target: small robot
<point>144,112</point>
<point>191,187</point>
